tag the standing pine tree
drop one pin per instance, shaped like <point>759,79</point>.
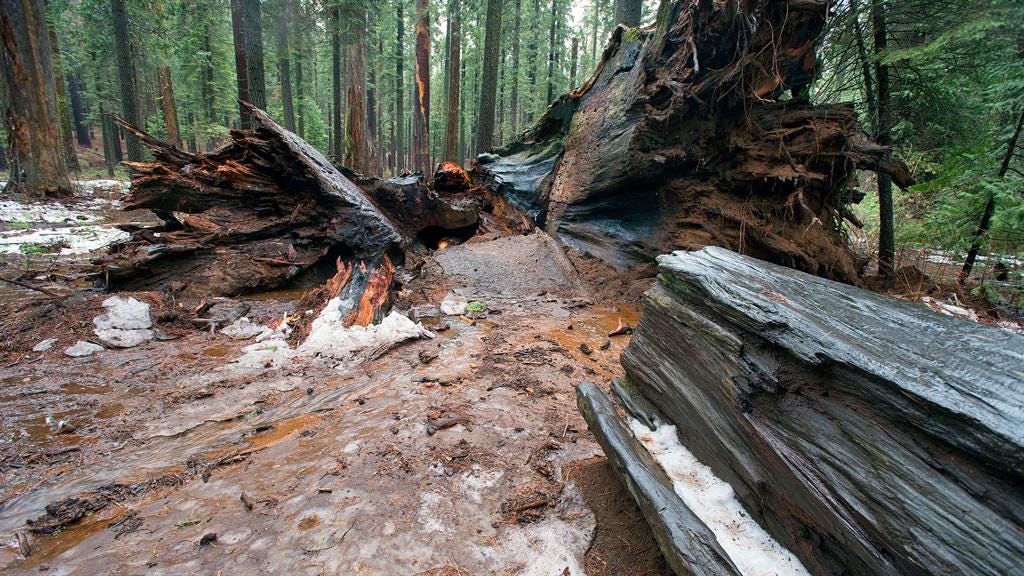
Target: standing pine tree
<point>489,82</point>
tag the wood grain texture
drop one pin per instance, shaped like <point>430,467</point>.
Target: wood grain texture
<point>867,434</point>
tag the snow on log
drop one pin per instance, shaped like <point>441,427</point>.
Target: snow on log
<point>698,132</point>
<point>868,435</point>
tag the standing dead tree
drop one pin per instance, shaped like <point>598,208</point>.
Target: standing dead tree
<point>697,132</point>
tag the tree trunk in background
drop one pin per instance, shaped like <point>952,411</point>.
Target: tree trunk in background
<point>372,113</point>
<point>534,57</point>
<point>252,29</point>
<point>355,149</point>
<point>514,99</point>
<point>399,138</point>
<point>451,140</point>
<point>63,110</point>
<point>284,68</point>
<point>422,112</point>
<point>551,51</point>
<point>241,70</point>
<point>575,62</point>
<point>990,205</point>
<point>30,114</point>
<point>462,115</point>
<point>299,18</point>
<point>109,139</point>
<point>335,23</point>
<point>489,83</point>
<point>628,12</point>
<point>126,78</point>
<point>883,135</point>
<point>206,88</point>
<point>163,74</point>
<point>78,111</point>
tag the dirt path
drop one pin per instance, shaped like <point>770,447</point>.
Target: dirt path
<point>458,455</point>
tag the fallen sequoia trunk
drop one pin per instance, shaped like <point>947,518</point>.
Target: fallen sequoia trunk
<point>867,434</point>
<point>684,138</point>
<point>266,208</point>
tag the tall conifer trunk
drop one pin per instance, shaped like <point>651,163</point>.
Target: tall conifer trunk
<point>30,107</point>
<point>284,66</point>
<point>451,141</point>
<point>422,112</point>
<point>241,70</point>
<point>127,78</point>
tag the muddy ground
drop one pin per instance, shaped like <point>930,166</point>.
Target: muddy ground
<point>462,454</point>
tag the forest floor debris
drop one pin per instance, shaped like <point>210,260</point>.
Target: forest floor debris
<point>333,462</point>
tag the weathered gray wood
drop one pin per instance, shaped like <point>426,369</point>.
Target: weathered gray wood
<point>688,544</point>
<point>684,137</point>
<point>868,434</point>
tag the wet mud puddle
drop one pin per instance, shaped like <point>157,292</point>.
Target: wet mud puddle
<point>445,452</point>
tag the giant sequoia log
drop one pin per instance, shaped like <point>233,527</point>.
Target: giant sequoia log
<point>251,215</point>
<point>869,435</point>
<point>266,208</point>
<point>697,132</point>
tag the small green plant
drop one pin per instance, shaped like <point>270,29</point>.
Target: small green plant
<point>19,225</point>
<point>476,306</point>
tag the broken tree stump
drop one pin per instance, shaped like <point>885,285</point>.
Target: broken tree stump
<point>867,434</point>
<point>698,132</point>
<point>252,215</point>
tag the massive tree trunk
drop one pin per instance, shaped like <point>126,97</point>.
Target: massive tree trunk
<point>356,150</point>
<point>451,140</point>
<point>284,66</point>
<point>574,68</point>
<point>534,60</point>
<point>862,445</point>
<point>127,77</point>
<point>252,215</point>
<point>170,114</point>
<point>489,84</point>
<point>680,140</point>
<point>267,210</point>
<point>252,29</point>
<point>30,107</point>
<point>421,115</point>
<point>78,111</point>
<point>241,70</point>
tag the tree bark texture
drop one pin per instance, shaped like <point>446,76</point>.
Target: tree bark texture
<point>127,78</point>
<point>78,111</point>
<point>252,29</point>
<point>284,65</point>
<point>241,69</point>
<point>421,115</point>
<point>30,106</point>
<point>63,109</point>
<point>356,145</point>
<point>170,114</point>
<point>680,140</point>
<point>876,438</point>
<point>451,140</point>
<point>883,135</point>
<point>489,83</point>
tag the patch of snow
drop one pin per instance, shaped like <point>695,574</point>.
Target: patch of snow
<point>328,337</point>
<point>82,348</point>
<point>126,323</point>
<point>1011,326</point>
<point>436,513</point>
<point>73,240</point>
<point>453,304</point>
<point>950,309</point>
<point>44,345</point>
<point>750,547</point>
<point>476,481</point>
<point>547,548</point>
<point>243,329</point>
<point>271,353</point>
